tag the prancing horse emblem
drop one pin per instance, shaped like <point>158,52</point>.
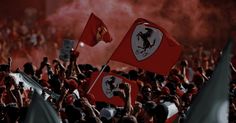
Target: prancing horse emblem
<point>145,41</point>
<point>100,33</point>
<point>110,84</point>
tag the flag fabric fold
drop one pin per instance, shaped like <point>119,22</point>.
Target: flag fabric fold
<point>212,103</point>
<point>107,84</point>
<point>40,111</point>
<point>148,46</point>
<point>95,30</point>
<point>29,83</point>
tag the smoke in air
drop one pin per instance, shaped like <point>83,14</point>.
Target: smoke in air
<point>190,22</point>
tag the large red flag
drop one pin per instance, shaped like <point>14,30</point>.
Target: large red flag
<point>148,46</point>
<point>106,84</point>
<point>95,31</point>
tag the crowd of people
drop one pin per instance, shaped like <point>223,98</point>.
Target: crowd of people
<point>180,86</point>
<point>21,38</point>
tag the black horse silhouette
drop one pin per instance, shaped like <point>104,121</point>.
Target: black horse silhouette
<point>146,43</point>
<point>111,84</point>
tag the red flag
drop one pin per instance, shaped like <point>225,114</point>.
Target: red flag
<point>106,84</point>
<point>148,46</point>
<point>95,31</point>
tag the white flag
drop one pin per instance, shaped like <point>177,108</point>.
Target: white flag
<point>41,111</point>
<point>212,103</point>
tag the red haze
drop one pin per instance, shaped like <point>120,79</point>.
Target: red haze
<point>190,22</point>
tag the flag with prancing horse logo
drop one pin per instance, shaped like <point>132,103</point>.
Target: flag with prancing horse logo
<point>95,30</point>
<point>148,46</point>
<point>106,86</point>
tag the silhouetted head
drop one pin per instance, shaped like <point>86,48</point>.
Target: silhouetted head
<point>28,68</point>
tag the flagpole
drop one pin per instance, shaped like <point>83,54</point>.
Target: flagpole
<point>77,45</point>
<point>100,73</point>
